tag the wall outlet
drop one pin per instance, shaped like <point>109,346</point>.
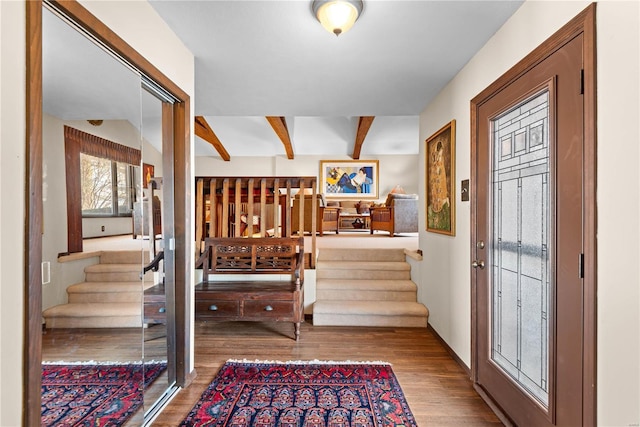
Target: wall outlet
<point>102,228</point>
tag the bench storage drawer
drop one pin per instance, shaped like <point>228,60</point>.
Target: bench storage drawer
<point>211,308</point>
<point>155,312</point>
<point>268,309</point>
<point>154,305</point>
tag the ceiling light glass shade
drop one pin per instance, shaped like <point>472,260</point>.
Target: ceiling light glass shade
<point>337,16</point>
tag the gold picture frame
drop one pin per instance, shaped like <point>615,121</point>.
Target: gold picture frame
<point>348,179</point>
<point>440,153</point>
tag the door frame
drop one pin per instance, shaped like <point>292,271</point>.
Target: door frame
<point>584,23</point>
<point>176,121</point>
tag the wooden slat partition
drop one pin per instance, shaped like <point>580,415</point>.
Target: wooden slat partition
<point>276,218</point>
<point>221,203</point>
<point>213,200</point>
<point>237,209</point>
<point>263,207</point>
<point>250,211</point>
<point>287,218</point>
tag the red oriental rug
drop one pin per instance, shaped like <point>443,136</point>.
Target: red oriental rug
<point>94,394</point>
<point>302,394</point>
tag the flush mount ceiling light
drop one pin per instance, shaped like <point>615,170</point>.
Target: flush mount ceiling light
<point>337,16</point>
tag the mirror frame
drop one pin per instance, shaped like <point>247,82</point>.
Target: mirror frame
<point>176,122</point>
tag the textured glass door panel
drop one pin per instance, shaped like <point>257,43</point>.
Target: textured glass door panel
<point>520,258</point>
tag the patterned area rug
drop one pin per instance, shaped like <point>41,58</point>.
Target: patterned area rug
<point>93,394</point>
<point>302,394</point>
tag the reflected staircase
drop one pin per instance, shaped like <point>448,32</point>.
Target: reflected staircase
<point>110,296</point>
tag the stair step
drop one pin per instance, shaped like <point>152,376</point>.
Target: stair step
<point>366,287</point>
<point>364,265</point>
<point>116,273</point>
<point>94,315</point>
<point>125,257</point>
<point>366,290</point>
<point>350,254</point>
<point>363,274</point>
<point>110,297</point>
<point>370,313</point>
<point>87,292</point>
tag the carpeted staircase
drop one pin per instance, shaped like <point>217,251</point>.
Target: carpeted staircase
<point>366,287</point>
<point>110,296</point>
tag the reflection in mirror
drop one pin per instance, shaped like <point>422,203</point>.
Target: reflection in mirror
<point>92,293</point>
<point>156,346</point>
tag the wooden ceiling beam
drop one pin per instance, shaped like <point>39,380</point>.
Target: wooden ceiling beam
<point>279,125</point>
<point>363,128</point>
<point>204,131</point>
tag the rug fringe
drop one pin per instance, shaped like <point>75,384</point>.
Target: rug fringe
<point>311,362</point>
<point>94,362</point>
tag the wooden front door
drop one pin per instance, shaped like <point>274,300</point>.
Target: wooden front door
<point>528,235</point>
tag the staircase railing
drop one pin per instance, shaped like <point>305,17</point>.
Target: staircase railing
<point>154,265</point>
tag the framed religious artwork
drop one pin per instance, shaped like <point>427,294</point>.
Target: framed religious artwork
<point>348,179</point>
<point>440,174</point>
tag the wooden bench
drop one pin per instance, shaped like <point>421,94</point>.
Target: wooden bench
<point>252,299</point>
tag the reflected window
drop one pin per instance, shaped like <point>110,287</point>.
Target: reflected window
<point>78,143</point>
<point>108,187</point>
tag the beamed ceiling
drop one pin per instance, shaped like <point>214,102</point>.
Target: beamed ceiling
<point>270,81</point>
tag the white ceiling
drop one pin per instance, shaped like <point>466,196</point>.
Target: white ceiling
<point>272,58</point>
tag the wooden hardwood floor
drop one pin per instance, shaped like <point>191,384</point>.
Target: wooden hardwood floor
<point>437,389</point>
<point>121,345</point>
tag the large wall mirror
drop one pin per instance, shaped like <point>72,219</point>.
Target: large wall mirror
<point>112,294</point>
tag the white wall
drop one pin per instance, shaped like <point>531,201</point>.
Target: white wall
<point>1,330</point>
<point>446,287</point>
<point>135,21</point>
<point>12,191</point>
<point>618,213</point>
<point>392,170</point>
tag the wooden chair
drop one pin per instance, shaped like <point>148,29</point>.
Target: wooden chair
<point>326,217</point>
<point>398,215</point>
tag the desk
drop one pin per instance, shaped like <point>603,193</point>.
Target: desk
<point>346,221</point>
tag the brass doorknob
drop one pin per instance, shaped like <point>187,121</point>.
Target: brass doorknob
<point>478,264</point>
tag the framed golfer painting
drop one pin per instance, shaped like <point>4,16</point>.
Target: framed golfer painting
<point>440,176</point>
<point>346,179</point>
